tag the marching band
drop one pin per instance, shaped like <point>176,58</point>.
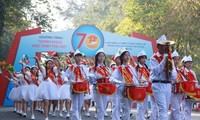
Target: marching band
<point>124,82</point>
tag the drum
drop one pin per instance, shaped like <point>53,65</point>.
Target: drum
<point>149,89</point>
<point>80,87</point>
<point>137,94</point>
<point>197,94</point>
<point>176,88</point>
<point>188,87</point>
<point>106,88</point>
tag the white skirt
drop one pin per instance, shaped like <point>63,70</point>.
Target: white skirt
<point>65,92</point>
<point>21,92</point>
<point>18,95</point>
<point>48,90</point>
<point>32,92</point>
<point>12,94</point>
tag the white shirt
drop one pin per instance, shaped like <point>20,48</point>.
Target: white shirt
<point>157,69</point>
<point>71,75</point>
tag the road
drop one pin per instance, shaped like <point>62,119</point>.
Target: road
<point>6,113</point>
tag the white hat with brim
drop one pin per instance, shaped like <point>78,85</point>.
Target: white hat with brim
<point>175,54</point>
<point>49,60</point>
<point>142,53</point>
<point>122,50</point>
<point>163,41</point>
<point>116,55</point>
<point>188,59</point>
<point>34,66</point>
<point>77,52</point>
<point>100,51</point>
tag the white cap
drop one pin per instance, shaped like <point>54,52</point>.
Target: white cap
<point>27,66</point>
<point>77,52</point>
<point>100,51</point>
<point>49,60</point>
<point>175,54</point>
<point>34,66</point>
<point>112,63</point>
<point>188,59</point>
<point>142,53</point>
<point>116,55</point>
<point>183,60</point>
<point>122,50</point>
<point>161,39</point>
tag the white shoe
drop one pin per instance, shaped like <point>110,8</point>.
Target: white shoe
<point>87,114</point>
<point>32,117</point>
<point>61,115</point>
<point>106,114</point>
<point>24,115</point>
<point>68,115</point>
<point>46,118</point>
<point>54,114</point>
<point>95,115</point>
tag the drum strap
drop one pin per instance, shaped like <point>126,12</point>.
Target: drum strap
<point>144,72</point>
<point>78,74</point>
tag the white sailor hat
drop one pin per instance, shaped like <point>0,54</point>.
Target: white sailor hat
<point>100,51</point>
<point>27,66</point>
<point>49,60</point>
<point>163,41</point>
<point>34,66</point>
<point>142,53</point>
<point>183,60</point>
<point>116,55</point>
<point>112,63</point>
<point>188,59</point>
<point>175,54</point>
<point>122,50</point>
<point>77,52</point>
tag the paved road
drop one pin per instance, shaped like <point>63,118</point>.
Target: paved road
<point>6,113</point>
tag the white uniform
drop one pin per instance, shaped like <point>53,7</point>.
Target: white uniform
<point>188,104</point>
<point>142,106</point>
<point>47,89</point>
<point>32,88</point>
<point>126,103</point>
<point>13,92</point>
<point>176,100</point>
<point>100,100</point>
<point>23,87</point>
<point>65,90</point>
<point>161,91</point>
<point>77,99</point>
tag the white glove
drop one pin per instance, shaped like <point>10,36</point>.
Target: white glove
<point>165,56</point>
<point>115,81</point>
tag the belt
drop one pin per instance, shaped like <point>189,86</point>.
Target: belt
<point>161,81</point>
<point>103,80</point>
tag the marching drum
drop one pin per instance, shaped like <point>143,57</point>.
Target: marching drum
<point>80,87</point>
<point>137,94</point>
<point>104,87</point>
<point>188,87</point>
<point>176,88</point>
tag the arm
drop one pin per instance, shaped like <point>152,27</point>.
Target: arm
<point>156,67</point>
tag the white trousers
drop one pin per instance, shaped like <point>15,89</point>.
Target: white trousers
<point>176,100</point>
<point>126,108</point>
<point>115,107</point>
<point>141,109</point>
<point>77,103</point>
<point>187,106</point>
<point>154,107</point>
<point>162,94</point>
<point>101,102</point>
